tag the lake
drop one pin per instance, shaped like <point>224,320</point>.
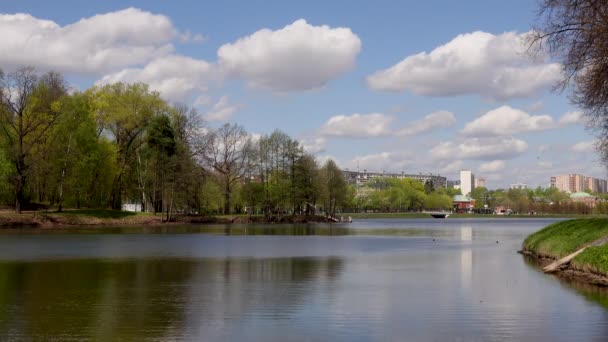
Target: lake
<point>372,280</point>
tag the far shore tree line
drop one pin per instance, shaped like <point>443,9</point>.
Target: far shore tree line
<point>122,144</point>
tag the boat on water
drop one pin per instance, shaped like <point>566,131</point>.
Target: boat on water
<point>440,215</point>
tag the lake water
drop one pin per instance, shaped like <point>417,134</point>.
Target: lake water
<point>372,280</point>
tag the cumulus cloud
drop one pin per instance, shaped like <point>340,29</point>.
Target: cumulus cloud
<point>506,120</point>
<point>297,57</point>
<point>430,122</point>
<point>222,110</point>
<point>383,161</point>
<point>583,146</point>
<point>493,66</point>
<point>314,145</point>
<point>500,148</point>
<point>404,161</point>
<point>175,77</point>
<point>357,125</point>
<point>96,44</point>
<point>493,166</point>
<point>572,118</point>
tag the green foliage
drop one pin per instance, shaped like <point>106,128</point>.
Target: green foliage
<point>562,238</point>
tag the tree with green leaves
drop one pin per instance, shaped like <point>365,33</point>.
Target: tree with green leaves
<point>30,105</point>
<point>124,111</point>
<point>335,186</point>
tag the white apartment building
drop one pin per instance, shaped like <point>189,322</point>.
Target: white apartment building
<point>467,182</point>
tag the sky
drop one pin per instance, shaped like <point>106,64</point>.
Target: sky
<point>396,86</point>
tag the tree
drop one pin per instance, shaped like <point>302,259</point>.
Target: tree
<point>574,32</point>
<point>335,184</point>
<point>124,111</point>
<point>161,146</point>
<point>306,184</point>
<point>480,195</point>
<point>73,141</point>
<point>29,106</point>
<point>230,155</point>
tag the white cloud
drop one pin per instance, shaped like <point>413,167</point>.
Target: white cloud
<point>96,44</point>
<point>430,122</point>
<point>357,125</point>
<point>492,66</point>
<point>493,166</point>
<point>297,57</point>
<point>378,162</point>
<point>222,110</point>
<point>507,121</point>
<point>314,145</point>
<point>584,146</point>
<point>572,118</point>
<point>177,78</point>
<point>479,149</point>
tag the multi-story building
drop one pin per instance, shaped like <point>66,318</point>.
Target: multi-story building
<point>360,178</point>
<point>595,185</point>
<point>578,183</point>
<point>467,182</point>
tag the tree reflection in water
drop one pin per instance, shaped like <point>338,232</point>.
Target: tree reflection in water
<point>150,299</point>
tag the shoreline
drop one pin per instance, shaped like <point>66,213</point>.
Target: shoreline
<point>568,271</point>
<point>579,245</point>
<point>49,220</point>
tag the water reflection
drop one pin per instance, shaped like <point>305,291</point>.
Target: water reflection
<point>466,257</point>
<point>420,280</point>
<point>150,299</point>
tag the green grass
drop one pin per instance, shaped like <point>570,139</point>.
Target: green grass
<point>593,259</point>
<point>562,238</point>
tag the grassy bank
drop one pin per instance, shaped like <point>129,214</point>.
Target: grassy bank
<point>76,217</point>
<point>102,217</point>
<point>562,238</point>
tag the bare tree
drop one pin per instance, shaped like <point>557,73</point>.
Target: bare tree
<point>229,153</point>
<point>576,33</point>
<point>29,107</point>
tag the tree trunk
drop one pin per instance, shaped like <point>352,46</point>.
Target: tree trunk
<point>61,181</point>
<point>227,199</point>
<point>20,183</point>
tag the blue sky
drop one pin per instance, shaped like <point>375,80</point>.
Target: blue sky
<point>432,86</point>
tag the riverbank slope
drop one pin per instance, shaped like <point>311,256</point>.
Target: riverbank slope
<point>563,238</point>
<point>49,219</point>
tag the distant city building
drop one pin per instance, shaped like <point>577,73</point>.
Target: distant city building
<point>360,178</point>
<point>518,186</point>
<point>454,184</point>
<point>596,185</point>
<point>480,182</point>
<point>579,183</point>
<point>467,182</point>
